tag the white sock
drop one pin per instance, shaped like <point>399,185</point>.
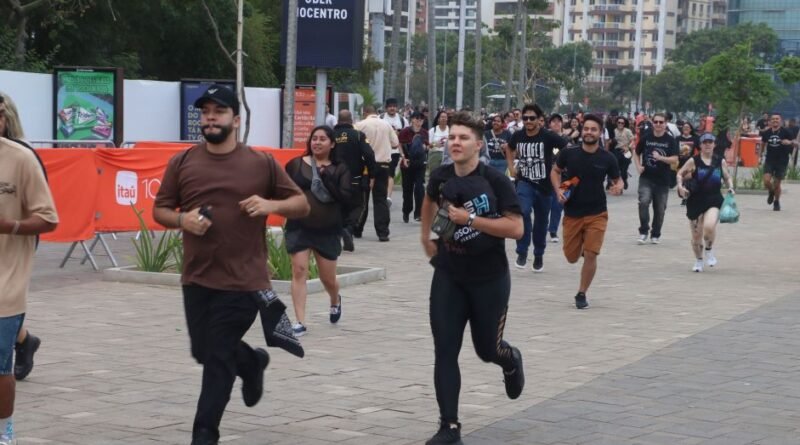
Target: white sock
<point>7,428</point>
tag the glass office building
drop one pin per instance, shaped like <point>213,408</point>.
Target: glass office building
<point>781,15</point>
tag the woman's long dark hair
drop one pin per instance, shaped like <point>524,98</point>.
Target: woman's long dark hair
<point>436,119</point>
<point>329,132</point>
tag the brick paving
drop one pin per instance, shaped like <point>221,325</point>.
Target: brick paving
<point>663,355</point>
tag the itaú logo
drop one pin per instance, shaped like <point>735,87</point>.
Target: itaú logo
<point>126,188</point>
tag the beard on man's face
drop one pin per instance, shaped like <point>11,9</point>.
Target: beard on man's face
<point>590,139</point>
<point>216,138</point>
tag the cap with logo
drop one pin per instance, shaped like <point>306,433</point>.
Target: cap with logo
<point>221,95</point>
<point>707,137</point>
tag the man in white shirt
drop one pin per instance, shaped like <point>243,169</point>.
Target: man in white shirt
<point>384,141</point>
<point>393,118</point>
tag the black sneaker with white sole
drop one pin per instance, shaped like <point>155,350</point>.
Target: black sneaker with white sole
<point>449,433</point>
<point>521,261</point>
<point>336,311</point>
<point>538,263</point>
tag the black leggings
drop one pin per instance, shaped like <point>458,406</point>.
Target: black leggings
<point>453,303</point>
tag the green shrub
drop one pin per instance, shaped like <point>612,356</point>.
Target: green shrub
<point>756,181</point>
<point>280,262</point>
<point>152,256</point>
<point>793,173</point>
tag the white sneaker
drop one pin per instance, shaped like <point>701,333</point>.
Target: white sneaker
<point>642,239</point>
<point>698,266</point>
<point>554,238</point>
<point>711,260</point>
<point>655,240</point>
<point>299,330</point>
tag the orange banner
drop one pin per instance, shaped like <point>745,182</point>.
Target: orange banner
<point>94,189</point>
<point>72,176</point>
<point>134,176</point>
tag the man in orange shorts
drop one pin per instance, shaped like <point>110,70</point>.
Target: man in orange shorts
<point>585,210</point>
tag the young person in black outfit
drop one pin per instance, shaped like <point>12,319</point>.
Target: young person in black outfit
<point>655,154</point>
<point>413,152</point>
<point>778,143</point>
<point>704,200</point>
<point>533,147</point>
<point>471,281</point>
<point>354,151</point>
<point>585,210</point>
<point>688,146</point>
<point>495,138</point>
<point>319,231</point>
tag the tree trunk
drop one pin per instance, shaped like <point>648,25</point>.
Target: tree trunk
<point>431,65</point>
<point>19,45</point>
<point>394,50</point>
<point>515,42</point>
<point>478,56</point>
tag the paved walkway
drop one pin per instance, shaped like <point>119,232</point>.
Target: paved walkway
<point>664,355</point>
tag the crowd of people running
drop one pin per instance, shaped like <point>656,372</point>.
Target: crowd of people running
<point>470,182</point>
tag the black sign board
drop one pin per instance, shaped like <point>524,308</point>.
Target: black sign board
<point>330,33</point>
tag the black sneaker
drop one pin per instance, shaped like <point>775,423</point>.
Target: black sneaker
<point>405,218</point>
<point>417,219</point>
<point>253,387</point>
<point>521,261</point>
<point>449,433</point>
<point>515,379</point>
<point>23,362</point>
<point>770,197</point>
<point>336,311</point>
<point>776,206</point>
<point>580,301</point>
<point>204,436</point>
<point>383,238</point>
<point>538,264</point>
<point>347,241</point>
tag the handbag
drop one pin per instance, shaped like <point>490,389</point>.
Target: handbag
<point>729,213</point>
<point>317,187</point>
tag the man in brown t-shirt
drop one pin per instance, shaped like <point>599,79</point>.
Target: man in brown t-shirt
<point>223,190</point>
<point>26,210</point>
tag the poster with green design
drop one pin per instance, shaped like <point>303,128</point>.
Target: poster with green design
<point>85,103</point>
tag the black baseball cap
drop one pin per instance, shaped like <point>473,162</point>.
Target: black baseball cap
<point>221,95</point>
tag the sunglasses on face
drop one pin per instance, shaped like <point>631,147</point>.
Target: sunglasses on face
<point>659,122</point>
<point>530,118</point>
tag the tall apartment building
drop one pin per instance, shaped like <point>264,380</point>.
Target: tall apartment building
<point>694,15</point>
<point>625,34</point>
<point>447,14</point>
<point>497,11</point>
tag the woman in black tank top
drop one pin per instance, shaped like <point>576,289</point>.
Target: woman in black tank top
<point>700,181</point>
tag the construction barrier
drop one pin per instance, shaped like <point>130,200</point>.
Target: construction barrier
<point>93,189</point>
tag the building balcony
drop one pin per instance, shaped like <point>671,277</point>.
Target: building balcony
<point>599,79</point>
<point>607,63</point>
<point>611,9</point>
<point>608,25</point>
<point>600,44</point>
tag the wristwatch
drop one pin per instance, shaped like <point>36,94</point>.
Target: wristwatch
<point>471,219</point>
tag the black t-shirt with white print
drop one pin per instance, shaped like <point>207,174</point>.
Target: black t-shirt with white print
<point>777,152</point>
<point>494,143</point>
<point>656,171</point>
<point>473,255</point>
<point>535,155</point>
<point>589,196</point>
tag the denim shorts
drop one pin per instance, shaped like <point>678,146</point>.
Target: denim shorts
<point>9,330</point>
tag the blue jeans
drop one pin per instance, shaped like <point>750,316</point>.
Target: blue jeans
<point>530,198</point>
<point>9,330</point>
<point>500,165</point>
<point>655,194</point>
<point>555,215</point>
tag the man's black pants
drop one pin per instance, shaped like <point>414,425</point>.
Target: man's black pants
<point>413,189</point>
<point>217,321</point>
<point>379,205</point>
